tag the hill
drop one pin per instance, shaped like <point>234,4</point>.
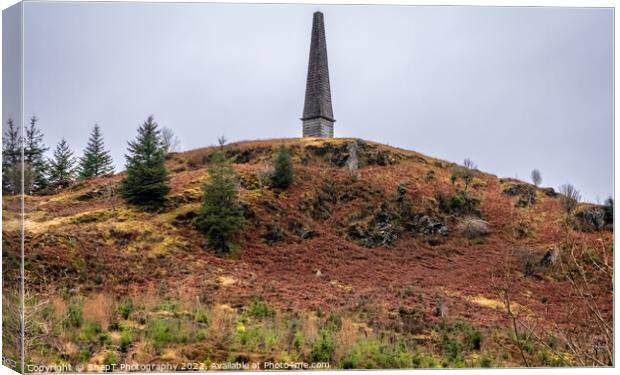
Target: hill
<point>375,257</point>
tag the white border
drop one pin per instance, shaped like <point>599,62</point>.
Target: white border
<point>560,3</point>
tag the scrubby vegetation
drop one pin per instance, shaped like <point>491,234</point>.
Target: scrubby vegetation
<point>382,263</point>
<point>283,170</point>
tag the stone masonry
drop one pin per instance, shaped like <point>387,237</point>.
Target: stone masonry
<point>318,118</point>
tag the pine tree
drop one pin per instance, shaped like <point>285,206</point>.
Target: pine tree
<point>34,161</point>
<point>96,160</point>
<point>11,159</point>
<point>146,183</point>
<point>221,215</point>
<point>61,168</point>
<point>283,170</point>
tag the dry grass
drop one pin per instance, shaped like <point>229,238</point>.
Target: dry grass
<point>223,323</point>
<point>348,335</point>
<point>99,308</point>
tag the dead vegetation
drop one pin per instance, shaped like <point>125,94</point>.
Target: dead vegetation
<point>405,258</point>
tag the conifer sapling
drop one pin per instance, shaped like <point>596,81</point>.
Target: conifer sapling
<point>96,160</point>
<point>61,168</point>
<point>221,215</point>
<point>146,183</point>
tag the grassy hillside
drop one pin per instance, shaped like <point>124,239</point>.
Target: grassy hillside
<point>400,262</point>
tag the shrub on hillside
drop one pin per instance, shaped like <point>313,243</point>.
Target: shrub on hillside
<point>472,227</point>
<point>323,348</point>
<point>282,177</point>
<point>523,229</point>
<point>460,203</point>
<point>569,198</point>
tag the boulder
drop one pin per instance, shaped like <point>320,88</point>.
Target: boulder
<point>590,218</point>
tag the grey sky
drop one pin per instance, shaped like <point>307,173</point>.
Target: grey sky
<point>511,88</point>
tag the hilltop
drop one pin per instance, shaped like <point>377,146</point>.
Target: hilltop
<point>394,246</point>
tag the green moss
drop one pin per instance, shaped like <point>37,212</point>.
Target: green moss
<point>89,217</point>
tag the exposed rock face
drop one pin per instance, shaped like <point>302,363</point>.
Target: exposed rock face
<point>302,231</point>
<point>590,219</point>
<point>526,193</point>
<point>273,234</point>
<point>550,258</point>
<point>380,231</point>
<point>352,161</point>
<point>535,264</point>
<point>424,225</point>
<point>340,155</point>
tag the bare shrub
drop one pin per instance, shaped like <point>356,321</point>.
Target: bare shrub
<point>169,140</point>
<point>98,308</point>
<point>221,141</point>
<point>223,320</point>
<point>569,198</point>
<point>264,175</point>
<point>467,173</point>
<point>585,335</point>
<point>469,164</point>
<point>473,227</point>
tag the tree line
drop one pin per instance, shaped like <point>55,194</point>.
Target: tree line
<point>146,183</point>
<point>23,159</point>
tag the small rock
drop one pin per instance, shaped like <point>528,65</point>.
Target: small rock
<point>550,258</point>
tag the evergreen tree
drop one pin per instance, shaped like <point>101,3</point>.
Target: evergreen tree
<point>34,149</point>
<point>283,170</point>
<point>61,168</point>
<point>146,182</point>
<point>11,159</point>
<point>221,215</point>
<point>609,210</point>
<point>96,160</point>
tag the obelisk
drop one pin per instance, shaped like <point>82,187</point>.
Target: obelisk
<point>318,118</point>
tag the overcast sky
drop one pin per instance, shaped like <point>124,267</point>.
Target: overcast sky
<point>511,88</point>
